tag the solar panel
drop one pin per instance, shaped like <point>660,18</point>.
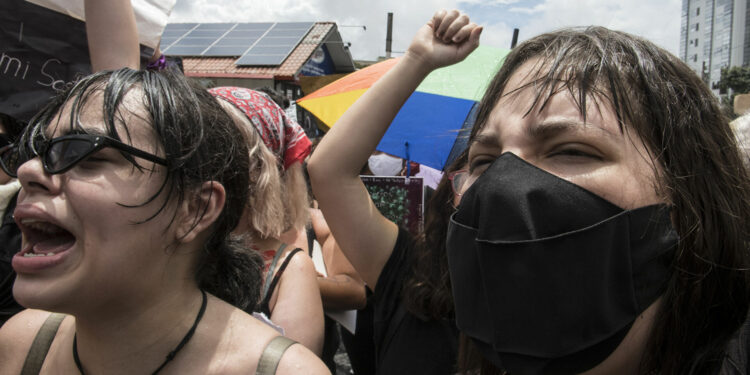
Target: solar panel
<point>184,50</point>
<point>260,43</point>
<point>215,26</point>
<point>225,51</point>
<point>276,41</point>
<point>247,42</point>
<point>173,33</point>
<point>181,26</point>
<point>260,60</point>
<point>276,44</point>
<point>214,34</point>
<point>254,26</point>
<point>295,33</point>
<point>294,25</point>
<point>166,42</point>
<point>245,33</point>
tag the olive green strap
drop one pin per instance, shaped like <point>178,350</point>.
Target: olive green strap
<point>40,346</point>
<point>271,356</point>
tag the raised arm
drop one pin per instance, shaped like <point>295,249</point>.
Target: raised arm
<point>365,236</point>
<point>112,34</point>
<point>342,289</point>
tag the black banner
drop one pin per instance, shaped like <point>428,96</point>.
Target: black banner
<point>42,52</point>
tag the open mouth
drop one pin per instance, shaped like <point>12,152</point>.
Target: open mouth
<point>43,238</point>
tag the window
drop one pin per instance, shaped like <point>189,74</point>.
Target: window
<point>698,11</point>
<point>696,42</point>
<point>696,26</point>
<point>695,57</point>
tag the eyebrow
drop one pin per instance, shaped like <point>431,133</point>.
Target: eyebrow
<point>486,140</point>
<point>552,128</point>
<point>84,131</point>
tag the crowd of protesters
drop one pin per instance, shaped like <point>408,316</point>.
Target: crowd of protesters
<point>594,225</point>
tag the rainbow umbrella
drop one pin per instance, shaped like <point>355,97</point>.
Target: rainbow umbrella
<point>425,130</point>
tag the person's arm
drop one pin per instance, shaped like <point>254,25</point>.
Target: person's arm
<point>342,289</point>
<point>112,34</point>
<point>298,360</point>
<point>298,307</point>
<point>366,237</point>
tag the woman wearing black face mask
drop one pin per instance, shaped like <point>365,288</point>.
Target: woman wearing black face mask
<point>601,221</point>
<point>413,328</point>
<point>624,199</point>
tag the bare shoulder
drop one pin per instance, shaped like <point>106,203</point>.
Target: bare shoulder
<point>301,262</point>
<point>242,339</point>
<point>16,336</point>
<point>299,360</point>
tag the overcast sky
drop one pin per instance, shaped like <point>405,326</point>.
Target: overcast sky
<point>656,20</point>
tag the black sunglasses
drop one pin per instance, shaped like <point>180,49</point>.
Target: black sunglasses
<point>63,153</point>
<point>4,140</point>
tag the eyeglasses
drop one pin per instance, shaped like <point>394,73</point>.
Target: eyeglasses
<point>458,180</point>
<point>4,140</point>
<point>62,153</point>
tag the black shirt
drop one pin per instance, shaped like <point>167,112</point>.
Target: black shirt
<point>404,343</point>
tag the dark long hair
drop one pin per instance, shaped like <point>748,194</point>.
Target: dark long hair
<point>200,143</point>
<point>427,290</point>
<point>698,170</point>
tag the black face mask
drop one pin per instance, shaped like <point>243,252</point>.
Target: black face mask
<point>547,276</point>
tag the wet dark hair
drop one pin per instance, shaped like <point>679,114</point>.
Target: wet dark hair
<point>698,170</point>
<point>427,290</point>
<point>200,143</point>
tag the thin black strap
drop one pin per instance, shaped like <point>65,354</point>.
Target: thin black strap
<point>272,354</point>
<point>42,342</point>
<point>310,239</point>
<point>264,308</point>
<point>267,284</point>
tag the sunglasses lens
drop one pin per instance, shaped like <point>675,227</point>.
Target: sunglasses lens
<point>4,140</point>
<point>11,159</point>
<point>64,154</point>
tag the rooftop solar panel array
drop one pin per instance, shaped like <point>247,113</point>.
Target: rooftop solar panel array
<point>254,43</point>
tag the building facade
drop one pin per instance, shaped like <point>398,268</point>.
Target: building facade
<point>714,34</point>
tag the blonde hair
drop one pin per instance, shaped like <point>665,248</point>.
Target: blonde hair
<point>277,198</point>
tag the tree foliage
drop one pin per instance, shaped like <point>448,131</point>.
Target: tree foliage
<point>736,78</point>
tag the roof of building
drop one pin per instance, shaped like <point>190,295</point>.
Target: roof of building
<point>320,33</point>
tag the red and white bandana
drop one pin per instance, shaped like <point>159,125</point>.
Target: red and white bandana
<point>281,135</point>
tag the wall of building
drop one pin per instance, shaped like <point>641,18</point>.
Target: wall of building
<point>739,27</point>
<point>714,34</point>
<point>692,30</point>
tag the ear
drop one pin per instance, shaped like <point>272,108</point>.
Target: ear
<point>200,210</point>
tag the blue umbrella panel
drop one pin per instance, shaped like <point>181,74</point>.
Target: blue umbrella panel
<point>426,128</point>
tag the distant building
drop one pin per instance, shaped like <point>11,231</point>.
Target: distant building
<point>714,34</point>
<point>256,55</point>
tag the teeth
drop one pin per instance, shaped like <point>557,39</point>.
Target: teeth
<point>31,255</point>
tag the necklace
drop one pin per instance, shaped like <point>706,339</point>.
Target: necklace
<point>171,354</point>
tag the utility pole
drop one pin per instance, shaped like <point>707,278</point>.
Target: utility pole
<point>388,36</point>
<point>514,41</point>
